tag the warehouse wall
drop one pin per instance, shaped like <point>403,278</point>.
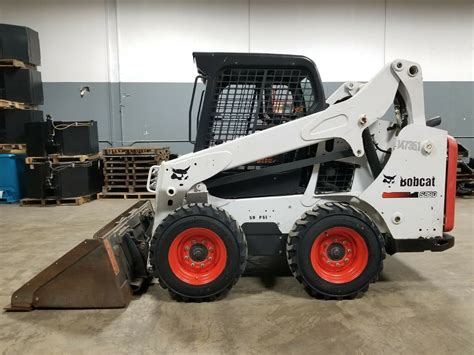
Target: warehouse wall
<point>136,55</point>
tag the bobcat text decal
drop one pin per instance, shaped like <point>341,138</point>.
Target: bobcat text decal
<point>415,181</point>
<point>409,182</point>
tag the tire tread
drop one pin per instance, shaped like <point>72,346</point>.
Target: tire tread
<point>202,209</point>
<point>313,216</point>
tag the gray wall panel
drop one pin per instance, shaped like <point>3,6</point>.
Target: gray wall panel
<point>64,103</point>
<point>159,111</point>
<point>454,102</point>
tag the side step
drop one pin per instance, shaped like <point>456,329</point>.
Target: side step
<point>97,273</point>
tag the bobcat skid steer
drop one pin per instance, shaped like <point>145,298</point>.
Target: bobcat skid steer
<point>277,169</point>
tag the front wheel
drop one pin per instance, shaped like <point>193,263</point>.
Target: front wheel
<point>335,251</point>
<point>198,252</point>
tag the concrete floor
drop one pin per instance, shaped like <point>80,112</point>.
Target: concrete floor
<point>422,304</point>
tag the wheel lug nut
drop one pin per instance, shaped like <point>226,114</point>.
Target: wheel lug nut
<point>202,265</point>
<point>337,264</point>
<point>346,260</point>
<point>349,250</point>
<point>186,248</point>
<point>186,257</point>
<point>211,249</point>
<point>209,258</point>
<point>194,242</point>
<point>192,264</point>
<point>328,262</point>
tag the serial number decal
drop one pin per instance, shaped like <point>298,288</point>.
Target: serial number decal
<point>409,145</point>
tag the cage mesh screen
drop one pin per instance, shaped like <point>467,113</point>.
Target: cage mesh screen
<point>334,177</point>
<point>251,100</point>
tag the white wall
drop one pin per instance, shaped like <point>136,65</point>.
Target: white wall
<point>73,36</point>
<point>157,38</point>
<point>345,38</point>
<point>437,34</point>
<point>152,41</point>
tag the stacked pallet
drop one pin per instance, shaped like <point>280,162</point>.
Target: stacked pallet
<point>21,88</point>
<point>465,172</point>
<point>126,171</point>
<point>21,92</point>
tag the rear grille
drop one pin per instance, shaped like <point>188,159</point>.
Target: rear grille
<point>334,177</point>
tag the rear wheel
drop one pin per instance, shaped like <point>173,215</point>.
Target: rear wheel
<point>335,251</point>
<point>198,252</point>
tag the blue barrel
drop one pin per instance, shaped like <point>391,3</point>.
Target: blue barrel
<point>12,167</point>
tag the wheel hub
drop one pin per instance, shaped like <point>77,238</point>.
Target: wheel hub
<point>198,252</point>
<point>197,256</point>
<point>336,251</point>
<point>339,255</point>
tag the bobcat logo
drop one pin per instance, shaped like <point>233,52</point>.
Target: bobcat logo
<point>389,179</point>
<point>180,174</point>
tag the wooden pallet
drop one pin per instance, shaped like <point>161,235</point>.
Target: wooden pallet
<point>128,159</point>
<point>125,186</point>
<point>56,158</point>
<point>113,180</point>
<point>125,195</point>
<point>15,63</point>
<point>52,201</point>
<point>16,105</point>
<point>13,148</point>
<point>127,170</point>
<point>117,174</point>
<point>126,174</point>
<point>163,153</point>
<point>465,177</point>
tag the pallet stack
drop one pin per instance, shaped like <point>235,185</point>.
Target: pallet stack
<point>465,173</point>
<point>21,91</point>
<point>126,171</point>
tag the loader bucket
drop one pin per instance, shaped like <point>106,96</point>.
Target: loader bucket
<point>101,272</point>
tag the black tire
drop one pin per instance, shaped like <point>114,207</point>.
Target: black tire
<point>198,215</point>
<point>310,227</point>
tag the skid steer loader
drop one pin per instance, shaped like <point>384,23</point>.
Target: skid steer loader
<point>277,169</point>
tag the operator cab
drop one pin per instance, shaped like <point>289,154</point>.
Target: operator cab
<point>246,93</point>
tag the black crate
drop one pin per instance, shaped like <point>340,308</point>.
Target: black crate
<point>21,85</point>
<point>45,180</point>
<point>75,138</point>
<point>12,124</point>
<point>39,137</point>
<point>37,183</point>
<point>62,137</point>
<point>21,43</point>
<point>77,179</point>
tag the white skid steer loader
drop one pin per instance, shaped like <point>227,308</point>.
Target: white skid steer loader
<point>277,169</point>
